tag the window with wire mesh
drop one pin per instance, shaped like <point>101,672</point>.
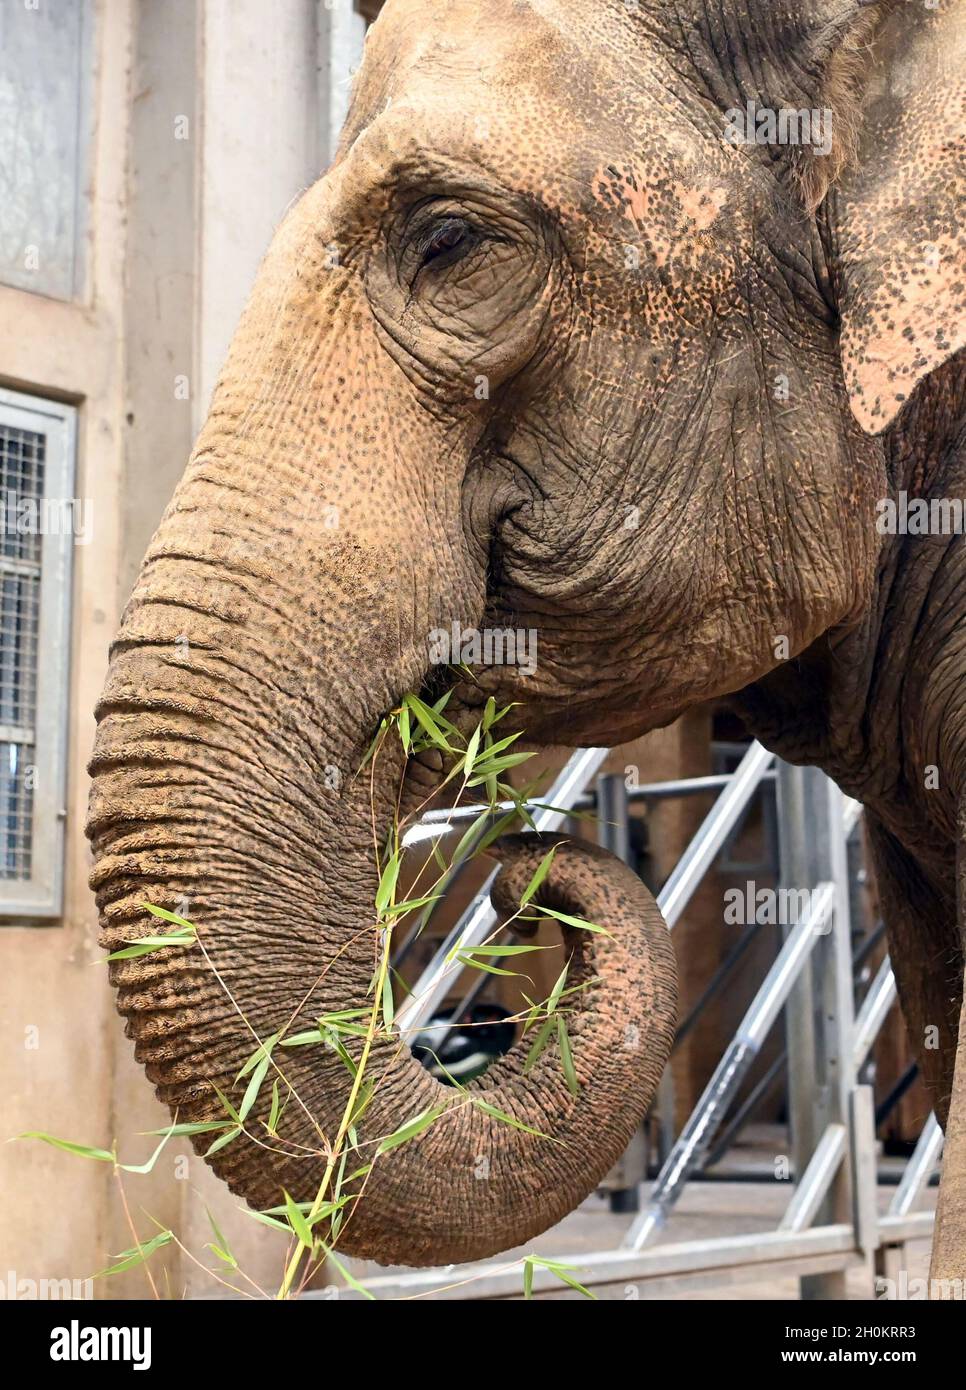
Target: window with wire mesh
<point>21,491</point>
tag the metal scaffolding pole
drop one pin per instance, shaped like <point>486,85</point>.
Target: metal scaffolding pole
<point>686,877</point>
<point>819,1021</point>
<point>710,1110</point>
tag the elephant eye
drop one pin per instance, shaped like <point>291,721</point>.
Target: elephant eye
<point>445,242</point>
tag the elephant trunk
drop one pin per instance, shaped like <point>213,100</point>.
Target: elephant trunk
<point>200,806</point>
<point>203,804</point>
<point>231,729</point>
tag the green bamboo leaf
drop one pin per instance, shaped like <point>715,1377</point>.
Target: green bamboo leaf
<point>199,1127</point>
<point>329,1023</point>
<point>492,749</point>
<point>506,1119</point>
<point>523,811</point>
<point>466,959</point>
<point>493,716</point>
<point>340,1175</point>
<point>533,1014</point>
<point>410,1129</point>
<point>167,916</point>
<point>554,997</point>
<point>491,769</point>
<point>223,1141</point>
<point>262,1050</point>
<point>321,1214</point>
<point>437,854</point>
<point>307,1039</point>
<point>539,874</point>
<point>539,1044</point>
<point>495,831</point>
<point>388,1003</point>
<point>339,1048</point>
<point>81,1150</point>
<point>507,950</point>
<point>559,1271</point>
<point>227,1105</point>
<point>349,1278</point>
<point>274,1112</point>
<point>366,1091</point>
<point>387,881</point>
<point>254,1086</point>
<point>222,1248</point>
<point>298,1222</point>
<point>400,909</point>
<point>137,1255</point>
<point>144,945</point>
<point>528,1279</point>
<point>267,1220</point>
<point>567,1058</point>
<point>436,711</point>
<point>471,750</point>
<point>405,731</point>
<point>432,723</point>
<point>467,842</point>
<point>146,1167</point>
<point>570,921</point>
<point>379,734</point>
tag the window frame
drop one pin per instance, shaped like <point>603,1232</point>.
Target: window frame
<point>41,896</point>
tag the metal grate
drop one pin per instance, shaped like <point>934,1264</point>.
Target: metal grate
<point>22,458</point>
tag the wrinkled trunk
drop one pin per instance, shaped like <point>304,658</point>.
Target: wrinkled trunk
<point>209,798</point>
<point>317,537</point>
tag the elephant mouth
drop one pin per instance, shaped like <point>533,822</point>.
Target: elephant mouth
<point>426,767</point>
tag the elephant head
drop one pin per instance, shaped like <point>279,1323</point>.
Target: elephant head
<point>544,350</point>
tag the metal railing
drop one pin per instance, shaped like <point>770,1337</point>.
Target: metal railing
<point>831,1223</point>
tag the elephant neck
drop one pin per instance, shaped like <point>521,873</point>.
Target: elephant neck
<point>880,703</point>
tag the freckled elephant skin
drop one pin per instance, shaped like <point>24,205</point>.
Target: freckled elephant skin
<point>544,350</point>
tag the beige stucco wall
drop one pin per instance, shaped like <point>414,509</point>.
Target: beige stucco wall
<point>176,227</point>
<point>55,1211</point>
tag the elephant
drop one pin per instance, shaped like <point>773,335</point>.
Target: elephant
<point>579,334</point>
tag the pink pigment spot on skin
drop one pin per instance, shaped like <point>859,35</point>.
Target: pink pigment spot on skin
<point>636,210</point>
<point>637,204</point>
<point>699,206</point>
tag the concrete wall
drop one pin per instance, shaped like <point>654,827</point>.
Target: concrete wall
<point>55,1211</point>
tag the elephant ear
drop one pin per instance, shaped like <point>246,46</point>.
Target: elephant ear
<point>891,73</point>
<point>899,213</point>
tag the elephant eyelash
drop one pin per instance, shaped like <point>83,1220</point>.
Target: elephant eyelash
<point>445,242</point>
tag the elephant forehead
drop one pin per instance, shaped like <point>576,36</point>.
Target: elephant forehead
<point>533,95</point>
<point>493,43</point>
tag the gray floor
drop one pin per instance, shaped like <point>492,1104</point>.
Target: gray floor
<point>706,1209</point>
